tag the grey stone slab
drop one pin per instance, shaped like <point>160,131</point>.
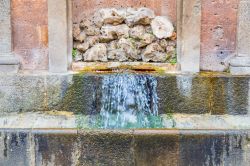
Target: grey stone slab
<point>15,148</point>
<point>240,61</point>
<point>58,36</point>
<point>11,99</point>
<point>9,69</point>
<point>243,34</point>
<point>57,86</point>
<point>156,149</point>
<point>34,95</point>
<point>139,147</point>
<point>240,70</point>
<point>8,60</point>
<point>214,148</point>
<point>5,26</point>
<point>230,95</point>
<point>190,35</point>
<point>183,94</point>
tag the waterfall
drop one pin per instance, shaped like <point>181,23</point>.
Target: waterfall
<point>128,101</point>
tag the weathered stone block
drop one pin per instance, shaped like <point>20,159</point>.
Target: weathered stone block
<point>30,33</point>
<point>183,94</point>
<point>5,26</point>
<point>240,61</point>
<point>218,34</point>
<point>190,36</point>
<point>58,36</point>
<point>243,34</point>
<point>240,70</point>
<point>34,96</point>
<point>156,148</point>
<point>214,148</point>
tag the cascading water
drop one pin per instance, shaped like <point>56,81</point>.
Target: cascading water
<point>127,101</point>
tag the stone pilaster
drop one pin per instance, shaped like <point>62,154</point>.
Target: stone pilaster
<point>240,65</point>
<point>189,30</point>
<point>59,35</point>
<point>8,63</point>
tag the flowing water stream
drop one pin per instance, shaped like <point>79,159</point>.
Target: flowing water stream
<point>127,101</point>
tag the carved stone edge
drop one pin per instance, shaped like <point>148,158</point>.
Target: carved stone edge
<point>9,64</point>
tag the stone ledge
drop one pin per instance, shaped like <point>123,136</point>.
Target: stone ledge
<point>240,62</point>
<point>8,60</point>
<point>8,64</point>
<point>68,120</point>
<point>240,70</point>
<point>143,147</point>
<point>137,66</point>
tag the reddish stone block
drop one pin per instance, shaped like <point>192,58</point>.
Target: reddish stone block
<point>223,12</point>
<point>218,33</point>
<point>30,33</point>
<point>216,60</point>
<point>216,37</point>
<point>33,59</point>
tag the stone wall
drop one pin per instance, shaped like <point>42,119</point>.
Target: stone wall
<point>218,33</point>
<point>219,24</point>
<point>30,33</point>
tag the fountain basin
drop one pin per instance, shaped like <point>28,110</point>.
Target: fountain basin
<point>124,147</point>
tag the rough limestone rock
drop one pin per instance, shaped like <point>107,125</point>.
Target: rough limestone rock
<point>115,31</point>
<point>92,31</point>
<point>76,30</point>
<point>92,40</point>
<point>129,47</point>
<point>82,47</point>
<point>117,55</point>
<point>81,37</point>
<point>108,16</point>
<point>137,32</point>
<point>155,53</point>
<point>112,45</point>
<point>125,34</point>
<point>141,16</point>
<point>78,56</point>
<point>96,53</point>
<point>147,39</point>
<point>162,27</point>
<point>86,23</point>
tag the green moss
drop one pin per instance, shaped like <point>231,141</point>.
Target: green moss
<point>74,52</point>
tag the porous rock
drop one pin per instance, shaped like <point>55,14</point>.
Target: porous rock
<point>129,47</point>
<point>137,32</point>
<point>115,31</point>
<point>96,53</point>
<point>82,46</point>
<point>142,16</point>
<point>162,27</point>
<point>108,16</point>
<point>78,56</point>
<point>154,52</point>
<point>92,40</point>
<point>117,55</point>
<point>76,30</point>
<point>81,37</point>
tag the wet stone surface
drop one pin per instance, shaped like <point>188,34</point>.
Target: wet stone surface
<point>81,93</point>
<point>139,147</point>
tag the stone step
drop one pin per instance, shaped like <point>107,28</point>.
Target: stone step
<point>67,120</point>
<point>203,93</point>
<point>124,147</point>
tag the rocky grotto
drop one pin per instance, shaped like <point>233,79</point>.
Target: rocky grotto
<point>125,35</point>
